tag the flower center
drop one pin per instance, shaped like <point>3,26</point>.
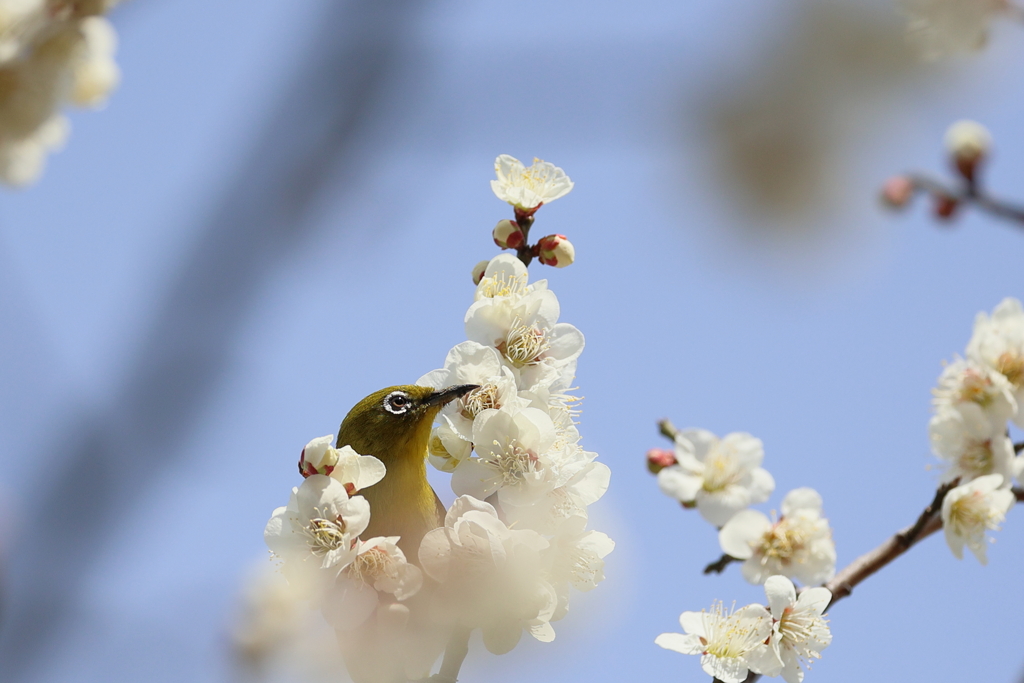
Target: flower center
<point>720,470</point>
<point>975,388</point>
<point>514,463</point>
<point>972,513</point>
<point>500,285</point>
<point>728,636</point>
<point>781,542</point>
<point>324,535</point>
<point>479,400</point>
<point>523,344</point>
<point>371,565</point>
<point>977,459</point>
<point>1012,366</point>
<point>801,629</point>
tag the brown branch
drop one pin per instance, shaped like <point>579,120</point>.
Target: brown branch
<point>719,565</point>
<point>968,193</point>
<point>1018,447</point>
<point>864,566</point>
<point>1019,492</point>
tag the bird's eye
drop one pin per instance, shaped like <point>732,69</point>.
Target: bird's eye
<point>397,402</point>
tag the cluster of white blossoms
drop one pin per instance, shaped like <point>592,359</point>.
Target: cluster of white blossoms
<point>975,399</point>
<point>52,53</point>
<point>516,539</point>
<point>773,641</point>
<point>316,537</point>
<point>722,478</point>
<point>943,27</point>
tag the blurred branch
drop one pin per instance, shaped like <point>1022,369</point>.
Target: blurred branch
<point>115,458</point>
<point>967,193</point>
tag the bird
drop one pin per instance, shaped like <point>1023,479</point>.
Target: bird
<point>394,425</point>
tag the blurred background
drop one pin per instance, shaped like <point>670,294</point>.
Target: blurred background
<point>278,212</point>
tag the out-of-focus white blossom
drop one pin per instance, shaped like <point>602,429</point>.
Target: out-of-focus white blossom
<point>970,510</point>
<point>723,639</point>
<point>51,54</point>
<point>492,577</point>
<point>719,476</point>
<point>976,389</point>
<point>943,27</point>
<point>315,534</point>
<point>967,141</point>
<point>998,342</point>
<point>970,446</point>
<point>799,545</point>
<point>521,322</point>
<point>528,188</point>
<point>556,250</point>
<point>799,633</point>
<point>379,566</point>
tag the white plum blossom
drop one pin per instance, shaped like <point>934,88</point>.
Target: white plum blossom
<point>512,457</point>
<point>577,559</point>
<point>528,188</point>
<point>315,534</point>
<point>723,639</point>
<point>799,545</point>
<point>492,577</point>
<point>719,476</point>
<point>970,446</point>
<point>521,322</point>
<point>944,27</point>
<point>971,387</point>
<point>799,633</point>
<point>355,471</point>
<point>970,510</point>
<point>470,363</point>
<point>379,566</point>
<point>52,53</point>
<point>998,343</point>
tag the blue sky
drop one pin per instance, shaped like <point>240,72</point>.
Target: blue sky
<point>161,298</point>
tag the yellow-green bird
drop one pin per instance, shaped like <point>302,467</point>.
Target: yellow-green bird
<point>394,425</point>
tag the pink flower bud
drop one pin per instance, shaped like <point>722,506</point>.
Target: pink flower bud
<point>318,457</point>
<point>945,206</point>
<point>478,271</point>
<point>555,250</point>
<point>897,191</point>
<point>508,235</point>
<point>660,458</point>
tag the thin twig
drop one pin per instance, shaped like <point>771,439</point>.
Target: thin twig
<point>968,194</point>
<point>454,655</point>
<point>667,429</point>
<point>867,564</point>
<point>719,565</point>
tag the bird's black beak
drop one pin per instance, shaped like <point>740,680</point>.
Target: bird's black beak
<point>445,396</point>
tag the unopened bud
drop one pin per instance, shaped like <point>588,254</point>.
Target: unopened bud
<point>660,458</point>
<point>897,191</point>
<point>318,457</point>
<point>478,271</point>
<point>555,250</point>
<point>945,206</point>
<point>508,235</point>
<point>968,142</point>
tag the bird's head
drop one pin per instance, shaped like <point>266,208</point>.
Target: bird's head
<point>397,420</point>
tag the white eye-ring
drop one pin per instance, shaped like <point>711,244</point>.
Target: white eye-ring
<point>397,402</point>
